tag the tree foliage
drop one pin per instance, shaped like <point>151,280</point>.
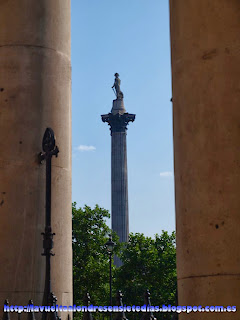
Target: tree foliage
<point>147,263</point>
<point>90,259</point>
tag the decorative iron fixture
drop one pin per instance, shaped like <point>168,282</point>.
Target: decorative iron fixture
<point>49,150</point>
<point>49,299</point>
<point>110,246</point>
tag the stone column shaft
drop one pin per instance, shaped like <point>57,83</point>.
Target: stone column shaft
<point>118,120</point>
<point>35,93</point>
<point>206,114</point>
<point>120,222</point>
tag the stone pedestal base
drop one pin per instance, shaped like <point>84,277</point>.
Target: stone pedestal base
<point>118,107</point>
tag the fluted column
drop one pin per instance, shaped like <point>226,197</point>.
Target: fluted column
<point>35,93</point>
<point>119,179</point>
<point>118,120</point>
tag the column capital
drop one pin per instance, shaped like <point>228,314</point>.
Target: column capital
<point>118,122</point>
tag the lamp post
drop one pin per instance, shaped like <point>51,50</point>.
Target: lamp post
<point>110,245</point>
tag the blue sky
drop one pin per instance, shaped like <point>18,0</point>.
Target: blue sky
<point>130,37</point>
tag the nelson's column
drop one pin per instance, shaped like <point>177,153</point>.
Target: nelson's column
<point>118,120</point>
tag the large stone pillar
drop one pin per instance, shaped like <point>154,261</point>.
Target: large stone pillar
<point>118,120</point>
<point>120,217</point>
<point>35,82</point>
<point>206,114</point>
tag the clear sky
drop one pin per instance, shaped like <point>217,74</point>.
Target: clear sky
<point>130,37</point>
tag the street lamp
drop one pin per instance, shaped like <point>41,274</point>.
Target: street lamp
<point>110,245</point>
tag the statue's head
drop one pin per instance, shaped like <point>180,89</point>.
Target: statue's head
<point>116,75</point>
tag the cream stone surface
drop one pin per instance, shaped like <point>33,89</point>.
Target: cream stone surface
<point>211,291</point>
<point>43,24</point>
<point>206,115</point>
<point>35,93</point>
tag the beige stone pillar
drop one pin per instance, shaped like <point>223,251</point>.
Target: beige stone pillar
<point>35,93</point>
<point>205,40</point>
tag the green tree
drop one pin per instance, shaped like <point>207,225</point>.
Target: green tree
<point>90,259</point>
<point>148,264</point>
